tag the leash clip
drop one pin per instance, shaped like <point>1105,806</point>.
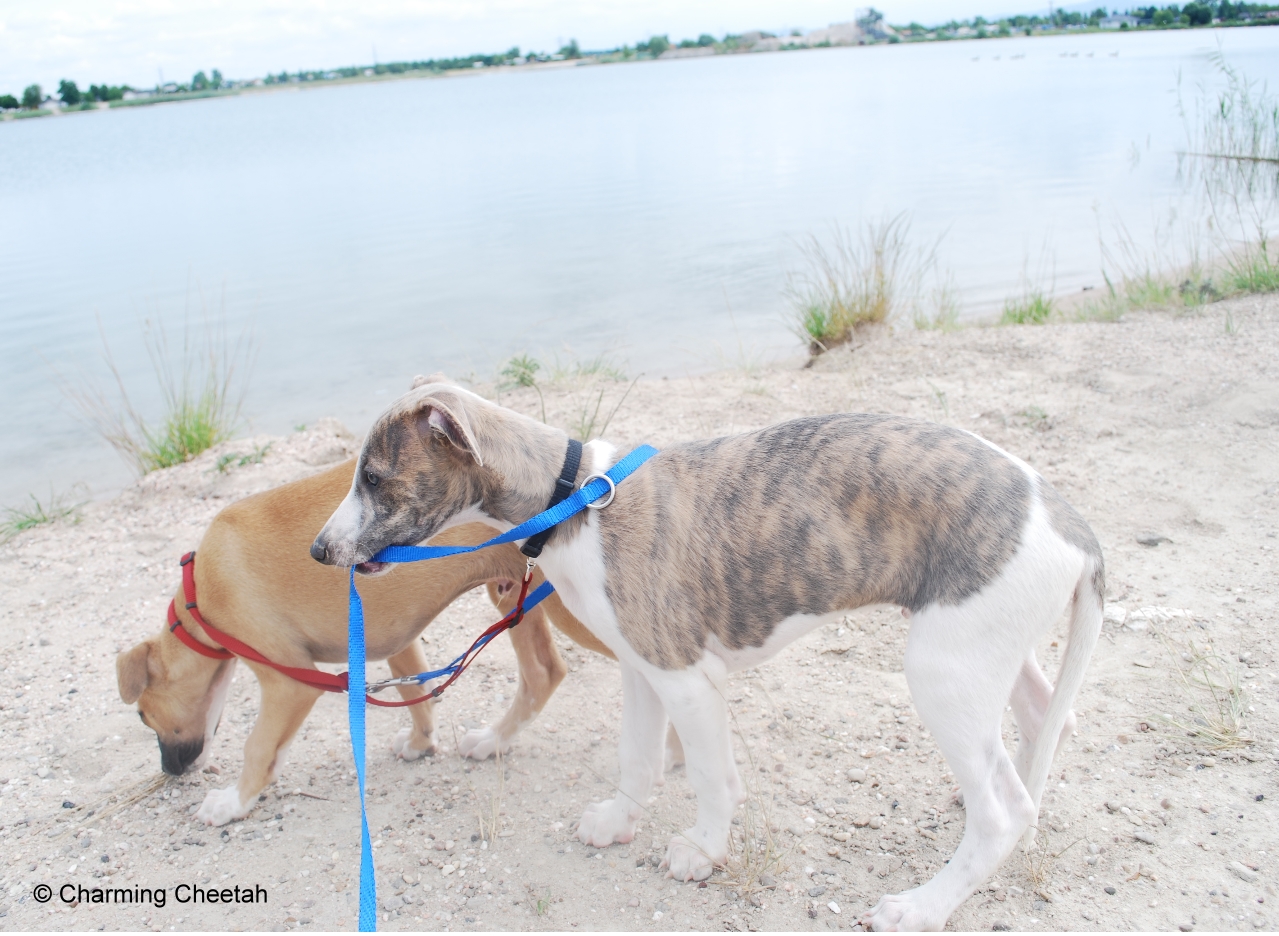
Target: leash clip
<point>529,565</point>
<point>612,490</point>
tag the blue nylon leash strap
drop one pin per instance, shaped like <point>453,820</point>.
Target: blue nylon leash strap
<point>574,503</point>
<point>597,487</point>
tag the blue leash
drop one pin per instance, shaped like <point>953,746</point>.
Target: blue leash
<point>595,488</point>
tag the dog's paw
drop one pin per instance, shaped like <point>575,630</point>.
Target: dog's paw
<point>221,806</point>
<point>605,823</point>
<point>686,862</point>
<point>902,913</point>
<point>480,743</point>
<point>404,749</point>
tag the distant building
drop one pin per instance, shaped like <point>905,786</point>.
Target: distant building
<point>1118,21</point>
<point>836,34</point>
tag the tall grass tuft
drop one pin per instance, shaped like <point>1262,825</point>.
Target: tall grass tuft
<point>1233,149</point>
<point>1253,270</point>
<point>15,520</point>
<point>201,388</point>
<point>1032,308</point>
<point>854,282</point>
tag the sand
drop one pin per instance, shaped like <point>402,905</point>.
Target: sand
<point>1162,431</point>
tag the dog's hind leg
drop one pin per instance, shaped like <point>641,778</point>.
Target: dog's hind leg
<point>960,671</point>
<point>640,757</point>
<point>285,705</point>
<point>1031,694</point>
<point>413,742</point>
<point>694,698</point>
<point>542,669</point>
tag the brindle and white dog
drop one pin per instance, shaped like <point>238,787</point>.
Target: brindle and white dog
<point>716,554</point>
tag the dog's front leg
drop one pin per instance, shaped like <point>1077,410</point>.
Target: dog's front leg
<point>640,756</point>
<point>285,705</point>
<point>412,743</point>
<point>694,700</point>
<point>542,669</point>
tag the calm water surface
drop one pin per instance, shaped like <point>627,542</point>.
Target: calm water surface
<point>650,211</point>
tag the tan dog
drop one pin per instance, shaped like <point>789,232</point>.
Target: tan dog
<point>256,581</point>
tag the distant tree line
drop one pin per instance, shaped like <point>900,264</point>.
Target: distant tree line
<point>71,95</point>
<point>1195,13</point>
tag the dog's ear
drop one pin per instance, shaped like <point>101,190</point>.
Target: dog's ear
<point>444,414</point>
<point>131,672</point>
<point>420,381</point>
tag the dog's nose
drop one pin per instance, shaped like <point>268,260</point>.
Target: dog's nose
<point>319,552</point>
<point>176,758</point>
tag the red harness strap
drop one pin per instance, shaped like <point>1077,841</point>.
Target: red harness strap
<point>316,679</point>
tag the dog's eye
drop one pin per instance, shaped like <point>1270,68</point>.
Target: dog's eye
<point>372,478</point>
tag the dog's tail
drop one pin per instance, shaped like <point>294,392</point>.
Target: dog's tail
<point>1085,628</point>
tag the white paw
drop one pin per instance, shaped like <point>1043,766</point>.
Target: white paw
<point>480,743</point>
<point>605,823</point>
<point>221,806</point>
<point>686,862</point>
<point>402,749</point>
<point>904,913</point>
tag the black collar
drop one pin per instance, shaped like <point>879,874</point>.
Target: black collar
<point>563,488</point>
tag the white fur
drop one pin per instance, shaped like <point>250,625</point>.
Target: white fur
<point>482,743</point>
<point>217,701</point>
<point>401,748</point>
<point>221,806</point>
<point>963,664</point>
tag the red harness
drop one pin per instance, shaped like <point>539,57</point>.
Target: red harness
<point>316,679</point>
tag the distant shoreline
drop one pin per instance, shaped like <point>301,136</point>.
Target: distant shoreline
<point>612,57</point>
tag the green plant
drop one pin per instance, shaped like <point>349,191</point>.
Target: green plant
<point>1253,270</point>
<point>228,459</point>
<point>521,371</point>
<point>853,282</point>
<point>1033,308</point>
<point>200,390</point>
<point>32,97</point>
<point>18,519</point>
<point>8,102</point>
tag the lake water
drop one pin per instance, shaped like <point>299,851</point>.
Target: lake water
<point>649,211</point>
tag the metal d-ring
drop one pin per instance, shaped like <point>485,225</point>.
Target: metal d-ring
<point>612,491</point>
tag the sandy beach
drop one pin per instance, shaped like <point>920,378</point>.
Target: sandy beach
<point>1163,431</point>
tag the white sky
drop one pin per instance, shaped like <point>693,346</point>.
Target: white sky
<point>135,41</point>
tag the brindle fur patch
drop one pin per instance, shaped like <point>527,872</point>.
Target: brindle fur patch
<point>806,517</point>
<point>1075,530</point>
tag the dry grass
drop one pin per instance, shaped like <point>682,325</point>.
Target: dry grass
<point>1040,860</point>
<point>1217,703</point>
<point>490,819</point>
<point>113,803</point>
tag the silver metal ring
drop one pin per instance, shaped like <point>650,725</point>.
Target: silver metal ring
<point>612,491</point>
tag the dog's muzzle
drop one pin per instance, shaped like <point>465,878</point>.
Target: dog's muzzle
<point>175,759</point>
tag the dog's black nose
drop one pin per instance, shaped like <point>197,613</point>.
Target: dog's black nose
<point>176,758</point>
<point>319,552</point>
